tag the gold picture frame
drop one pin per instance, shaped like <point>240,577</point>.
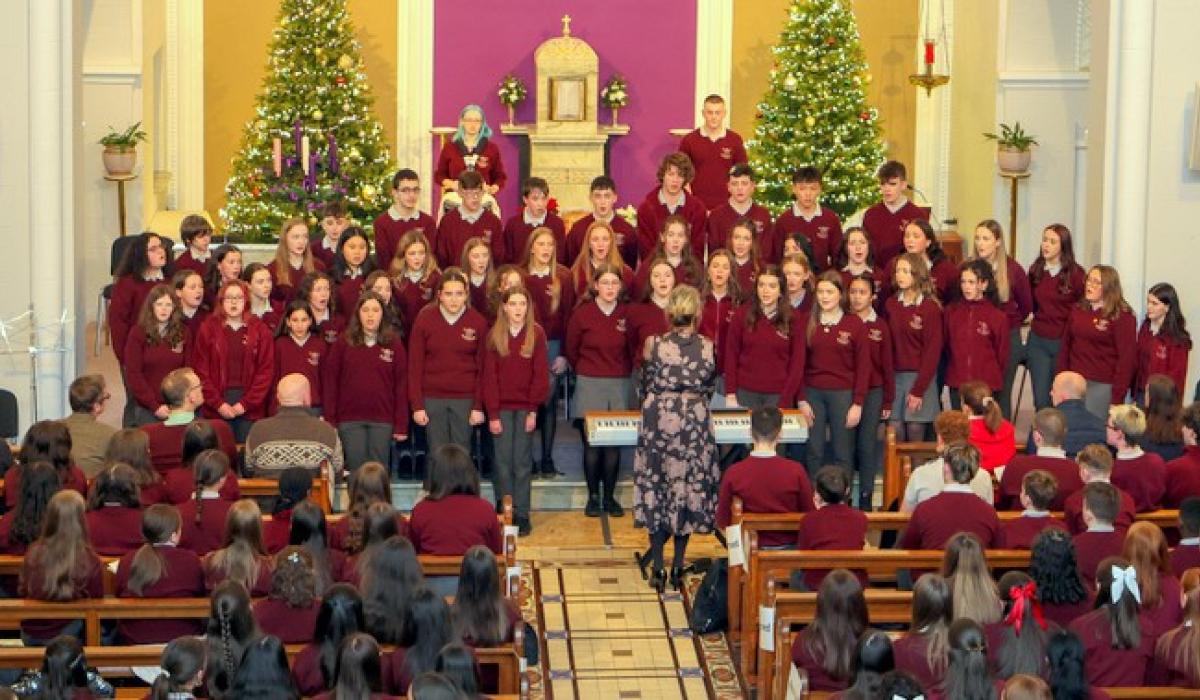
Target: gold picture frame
<point>568,99</point>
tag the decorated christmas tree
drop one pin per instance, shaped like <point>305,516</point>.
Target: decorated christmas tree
<point>313,137</point>
<point>815,111</point>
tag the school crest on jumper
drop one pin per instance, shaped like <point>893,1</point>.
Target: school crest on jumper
<point>487,235</point>
<point>875,335</point>
<point>470,161</point>
<point>331,336</point>
<point>314,358</point>
<point>482,162</point>
<point>759,227</point>
<point>427,293</point>
<point>726,153</point>
<point>178,349</point>
<point>822,232</point>
<point>387,354</point>
<point>983,329</point>
<point>620,325</point>
<point>469,335</point>
<point>1101,324</point>
<point>1160,352</point>
<point>843,338</point>
<point>916,323</point>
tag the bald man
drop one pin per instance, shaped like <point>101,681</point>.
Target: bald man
<point>294,436</point>
<point>1083,427</point>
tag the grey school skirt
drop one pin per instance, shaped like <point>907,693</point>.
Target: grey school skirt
<point>930,405</point>
<point>601,394</point>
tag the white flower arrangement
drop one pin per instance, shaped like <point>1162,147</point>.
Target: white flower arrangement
<point>629,213</point>
<point>615,92</point>
<point>512,91</point>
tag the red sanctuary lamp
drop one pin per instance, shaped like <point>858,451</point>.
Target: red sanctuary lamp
<point>928,79</point>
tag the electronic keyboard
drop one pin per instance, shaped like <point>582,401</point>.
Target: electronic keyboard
<point>732,426</point>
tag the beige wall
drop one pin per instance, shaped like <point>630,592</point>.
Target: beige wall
<point>234,71</point>
<point>889,34</point>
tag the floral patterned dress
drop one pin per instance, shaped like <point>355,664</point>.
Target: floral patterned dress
<point>675,466</point>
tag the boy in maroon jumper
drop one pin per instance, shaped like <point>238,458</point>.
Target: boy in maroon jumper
<point>1186,554</point>
<point>1049,430</point>
<point>885,221</point>
<point>334,220</point>
<point>1102,538</point>
<point>713,149</point>
<point>766,482</point>
<point>400,218</point>
<point>466,222</point>
<point>1095,465</point>
<point>603,196</point>
<point>1038,490</point>
<point>674,174</point>
<point>1140,474</point>
<point>196,233</point>
<point>1183,474</point>
<point>833,525</point>
<point>740,205</point>
<point>535,195</point>
<point>183,394</point>
<point>956,509</point>
<point>820,226</point>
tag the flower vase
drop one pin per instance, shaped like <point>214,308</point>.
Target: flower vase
<point>615,112</point>
<point>512,114</point>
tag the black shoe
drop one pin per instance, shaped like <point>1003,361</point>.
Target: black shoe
<point>524,527</point>
<point>643,560</point>
<point>535,472</point>
<point>593,508</point>
<point>614,509</point>
<point>658,580</point>
<point>676,577</point>
<point>549,471</point>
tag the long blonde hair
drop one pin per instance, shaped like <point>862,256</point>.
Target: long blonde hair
<point>974,593</point>
<point>501,332</point>
<point>527,264</point>
<point>280,264</point>
<point>922,284</point>
<point>242,559</point>
<point>583,261</point>
<point>399,266</point>
<point>998,259</point>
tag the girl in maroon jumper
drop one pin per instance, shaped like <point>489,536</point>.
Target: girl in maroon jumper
<point>380,523</point>
<point>746,255</point>
<point>182,664</point>
<point>243,558</point>
<point>515,380</point>
<point>258,280</point>
<point>204,515</point>
<point>391,577</point>
<point>974,592</point>
<point>1015,295</point>
<point>598,249</point>
<point>1057,283</point>
<point>317,290</point>
<point>1100,340</point>
<point>505,278</point>
<point>797,273</point>
<point>290,610</point>
<point>837,372</point>
<point>920,239</point>
<point>1161,603</point>
<point>672,245</point>
<point>132,447</point>
<point>145,262</point>
<point>196,233</point>
<point>483,616</point>
<point>976,332</point>
<point>990,432</point>
<point>379,282</point>
<point>293,260</point>
<point>881,387</point>
<point>189,292</point>
<point>159,569</point>
<point>308,531</point>
<point>1164,422</point>
<point>415,273</point>
<point>598,347</point>
<point>915,319</point>
<point>1116,643</point>
<point>446,359</point>
<point>114,514</point>
<point>352,262</point>
<point>359,670</point>
<point>49,441</point>
<point>340,616</point>
<point>299,351</point>
<point>20,526</point>
<point>365,385</point>
<point>721,295</point>
<point>368,485</point>
<point>1177,653</point>
<point>471,148</point>
<point>647,317</point>
<point>967,674</point>
<point>856,258</point>
<point>226,268</point>
<point>765,343</point>
<point>1163,341</point>
<point>477,264</point>
<point>427,629</point>
<point>60,566</point>
<point>453,518</point>
<point>229,631</point>
<point>825,649</point>
<point>924,650</point>
<point>158,344</point>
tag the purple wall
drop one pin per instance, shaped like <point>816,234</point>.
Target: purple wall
<point>652,44</point>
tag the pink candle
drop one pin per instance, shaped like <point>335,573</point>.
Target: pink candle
<point>929,53</point>
<point>277,155</point>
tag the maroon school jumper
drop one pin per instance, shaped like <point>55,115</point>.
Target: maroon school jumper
<point>193,322</point>
<point>291,625</point>
<point>285,287</point>
<point>128,297</point>
<point>838,359</point>
<point>87,580</point>
<point>1185,556</point>
<point>1166,669</point>
<point>823,231</point>
<point>1143,477</point>
<point>1052,305</point>
<point>885,229</point>
<point>446,360</point>
<point>1093,547</point>
<point>331,328</point>
<point>182,577</point>
<point>818,677</point>
<point>746,273</point>
<point>389,231</point>
<point>936,520</point>
<point>646,320</point>
<point>721,221</point>
<point>451,162</point>
<point>712,158</point>
<point>553,322</point>
<point>366,383</point>
<point>514,382</point>
<point>917,337</point>
<point>1020,295</point>
<point>1018,533</point>
<point>1073,511</point>
<point>766,484</point>
<point>598,344</point>
<point>477,298</point>
<point>75,480</point>
<point>977,340</point>
<point>515,237</point>
<point>306,358</point>
<point>411,297</point>
<point>451,525</point>
<point>322,250</point>
<point>757,358</point>
<point>910,657</point>
<point>1183,477</point>
<point>186,261</point>
<point>652,213</point>
<point>166,443</point>
<point>626,240</point>
<point>306,670</point>
<point>1158,354</point>
<point>1101,349</point>
<point>833,526</point>
<point>148,362</point>
<point>943,274</point>
<point>714,324</point>
<point>1064,470</point>
<point>225,358</point>
<point>114,530</point>
<point>205,536</point>
<point>454,231</point>
<point>347,291</point>
<point>1108,667</point>
<point>879,349</point>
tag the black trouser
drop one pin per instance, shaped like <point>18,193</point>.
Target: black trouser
<point>601,466</point>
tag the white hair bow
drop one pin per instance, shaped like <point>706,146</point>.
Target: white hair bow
<point>1125,579</point>
<point>901,697</point>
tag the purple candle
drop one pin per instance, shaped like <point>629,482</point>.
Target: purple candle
<point>333,154</point>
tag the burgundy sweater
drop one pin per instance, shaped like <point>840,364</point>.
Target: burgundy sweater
<point>599,345</point>
<point>364,383</point>
<point>489,166</point>
<point>285,287</point>
<point>1183,477</point>
<point>886,230</point>
<point>917,338</point>
<point>182,578</point>
<point>767,484</point>
<point>879,344</point>
<point>936,520</point>
<point>824,234</point>
<point>147,363</point>
<point>757,358</point>
<point>652,213</point>
<point>1108,667</point>
<point>515,236</point>
<point>454,231</point>
<point>1065,471</point>
<point>306,359</point>
<point>835,526</point>
<point>977,341</point>
<point>166,443</point>
<point>712,160</point>
<point>389,231</point>
<point>839,358</point>
<point>1101,349</point>
<point>714,324</point>
<point>722,218</point>
<point>1157,354</point>
<point>626,239</point>
<point>224,359</point>
<point>411,297</point>
<point>1073,511</point>
<point>446,361</point>
<point>1144,478</point>
<point>539,286</point>
<point>450,526</point>
<point>513,382</point>
<point>114,530</point>
<point>1019,532</point>
<point>1052,306</point>
<point>128,297</point>
<point>291,625</point>
<point>205,536</point>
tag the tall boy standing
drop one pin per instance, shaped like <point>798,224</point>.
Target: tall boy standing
<point>885,221</point>
<point>670,197</point>
<point>807,217</point>
<point>400,218</point>
<point>740,204</point>
<point>603,195</point>
<point>713,149</point>
<point>535,195</point>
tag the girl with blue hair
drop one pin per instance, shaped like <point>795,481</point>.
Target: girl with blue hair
<point>471,148</point>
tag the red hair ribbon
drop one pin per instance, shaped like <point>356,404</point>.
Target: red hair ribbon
<point>1022,596</point>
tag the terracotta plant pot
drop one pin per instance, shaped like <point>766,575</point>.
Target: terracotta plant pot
<point>1013,161</point>
<point>119,161</point>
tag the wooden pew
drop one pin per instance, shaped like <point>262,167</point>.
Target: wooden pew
<point>268,488</point>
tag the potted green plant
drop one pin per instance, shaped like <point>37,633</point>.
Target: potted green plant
<point>1013,148</point>
<point>120,149</point>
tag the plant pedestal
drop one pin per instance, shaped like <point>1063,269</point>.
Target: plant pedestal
<point>1013,180</point>
<point>120,180</point>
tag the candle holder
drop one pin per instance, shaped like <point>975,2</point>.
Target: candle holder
<point>929,80</point>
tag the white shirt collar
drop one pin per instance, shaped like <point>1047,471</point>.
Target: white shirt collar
<point>762,453</point>
<point>957,488</point>
<point>917,302</point>
<point>468,216</point>
<point>715,136</point>
<point>606,308</point>
<point>451,319</point>
<point>831,319</point>
<point>1189,541</point>
<point>1030,513</point>
<point>1047,451</point>
<point>1053,270</point>
<point>741,212</point>
<point>1134,452</point>
<point>662,199</point>
<point>326,245</point>
<point>1101,528</point>
<point>200,257</point>
<point>801,215</point>
<point>899,205</point>
<point>871,317</point>
<point>156,276</point>
<point>394,213</point>
<point>530,221</point>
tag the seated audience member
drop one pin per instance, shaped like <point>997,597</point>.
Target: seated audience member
<point>180,484</point>
<point>130,446</point>
<point>89,437</point>
<point>308,531</point>
<point>955,509</point>
<point>1064,597</point>
<point>159,569</point>
<point>1083,426</point>
<point>1095,466</point>
<point>453,517</point>
<point>972,590</point>
<point>314,669</point>
<point>833,525</point>
<point>390,578</point>
<point>183,394</point>
<point>295,486</point>
<point>1049,430</point>
<point>114,516</point>
<point>457,663</point>
<point>766,482</point>
<point>922,651</point>
<point>968,676</point>
<point>379,525</point>
<point>1162,602</point>
<point>1026,687</point>
<point>292,437</point>
<point>48,441</point>
<point>1186,554</point>
<point>243,557</point>
<point>230,630</point>
<point>1038,492</point>
<point>60,566</point>
<point>359,669</point>
<point>182,669</point>
<point>204,514</point>
<point>290,610</point>
<point>1017,644</point>
<point>368,484</point>
<point>1101,539</point>
<point>1177,653</point>
<point>64,674</point>
<point>1164,406</point>
<point>263,672</point>
<point>427,628</point>
<point>898,685</point>
<point>483,616</point>
<point>927,480</point>
<point>1183,474</point>
<point>20,526</point>
<point>825,649</point>
<point>990,431</point>
<point>873,657</point>
<point>1140,474</point>
<point>1118,650</point>
<point>1067,660</point>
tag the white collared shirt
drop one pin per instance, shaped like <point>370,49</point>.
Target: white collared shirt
<point>200,257</point>
<point>899,205</point>
<point>957,488</point>
<point>530,221</point>
<point>451,319</point>
<point>831,318</point>
<point>713,137</point>
<point>1035,514</point>
<point>1101,528</point>
<point>395,215</point>
<point>1047,451</point>
<point>801,215</point>
<point>741,212</point>
<point>662,199</point>
<point>1134,452</point>
<point>470,217</point>
<point>606,308</point>
<point>762,453</point>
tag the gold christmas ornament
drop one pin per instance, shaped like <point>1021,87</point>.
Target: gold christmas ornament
<point>261,124</point>
<point>319,51</point>
<point>317,115</point>
<point>789,82</point>
<point>369,191</point>
<point>810,122</point>
<point>345,62</point>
